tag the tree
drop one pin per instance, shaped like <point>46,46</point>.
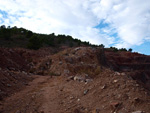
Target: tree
<point>114,49</point>
<point>35,42</point>
<point>49,41</point>
<point>123,49</point>
<point>101,45</point>
<point>130,50</point>
<point>2,27</point>
<point>5,32</point>
<point>29,34</point>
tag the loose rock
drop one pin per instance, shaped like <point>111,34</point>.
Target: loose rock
<point>115,81</point>
<point>86,91</point>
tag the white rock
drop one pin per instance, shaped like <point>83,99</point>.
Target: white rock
<point>115,81</point>
<point>78,100</point>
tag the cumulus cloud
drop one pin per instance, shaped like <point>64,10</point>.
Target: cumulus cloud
<point>128,21</point>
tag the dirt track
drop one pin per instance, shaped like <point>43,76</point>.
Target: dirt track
<point>43,94</point>
<point>46,95</point>
<point>62,95</point>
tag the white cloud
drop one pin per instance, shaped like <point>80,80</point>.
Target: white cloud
<point>130,19</point>
<point>1,16</point>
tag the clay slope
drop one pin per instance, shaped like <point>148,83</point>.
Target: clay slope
<point>16,65</point>
<point>134,64</point>
<point>76,80</point>
<point>13,71</point>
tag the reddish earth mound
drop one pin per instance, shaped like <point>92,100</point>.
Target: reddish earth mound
<point>80,80</point>
<point>13,59</point>
<point>134,64</point>
<point>11,82</point>
<point>16,65</point>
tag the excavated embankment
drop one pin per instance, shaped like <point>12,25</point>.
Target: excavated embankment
<point>74,80</point>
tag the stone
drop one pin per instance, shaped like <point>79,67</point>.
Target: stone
<point>86,91</point>
<point>86,75</point>
<point>76,49</point>
<point>66,71</point>
<point>78,78</point>
<point>70,78</point>
<point>137,85</point>
<point>71,97</point>
<point>114,105</point>
<point>137,99</point>
<point>103,87</point>
<point>24,72</point>
<point>123,74</point>
<point>115,81</point>
<point>78,99</point>
<point>86,83</point>
<point>82,63</point>
<point>9,85</point>
<point>60,63</point>
<point>88,80</point>
<point>117,73</point>
<point>75,78</point>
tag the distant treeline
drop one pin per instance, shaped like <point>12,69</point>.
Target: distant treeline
<point>20,37</point>
<point>121,49</point>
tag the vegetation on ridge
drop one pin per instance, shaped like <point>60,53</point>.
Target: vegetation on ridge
<point>20,37</point>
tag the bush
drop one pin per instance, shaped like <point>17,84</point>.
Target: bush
<point>35,42</point>
<point>123,49</point>
<point>114,49</point>
<point>130,50</point>
<point>29,34</point>
<point>5,32</point>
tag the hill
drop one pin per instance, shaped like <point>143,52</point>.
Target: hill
<point>76,79</point>
<point>20,37</point>
<point>73,80</point>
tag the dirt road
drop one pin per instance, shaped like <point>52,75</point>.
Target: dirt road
<point>44,95</point>
<point>62,95</point>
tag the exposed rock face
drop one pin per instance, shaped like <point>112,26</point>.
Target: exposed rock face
<point>136,65</point>
<point>101,56</point>
<point>13,59</point>
<point>75,61</point>
<point>12,81</point>
<point>86,60</point>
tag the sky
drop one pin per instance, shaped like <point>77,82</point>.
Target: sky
<point>118,23</point>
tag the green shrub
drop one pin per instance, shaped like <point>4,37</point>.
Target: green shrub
<point>130,50</point>
<point>35,42</point>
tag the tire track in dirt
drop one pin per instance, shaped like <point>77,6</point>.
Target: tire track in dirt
<point>28,100</point>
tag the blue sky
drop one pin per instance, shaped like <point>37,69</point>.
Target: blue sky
<point>119,23</point>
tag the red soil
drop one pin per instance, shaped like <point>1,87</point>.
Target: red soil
<point>75,80</point>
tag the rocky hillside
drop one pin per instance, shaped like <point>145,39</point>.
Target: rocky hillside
<point>134,64</point>
<point>74,80</point>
